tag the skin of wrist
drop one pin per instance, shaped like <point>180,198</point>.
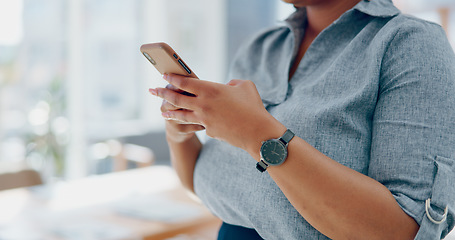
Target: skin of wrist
<point>270,129</point>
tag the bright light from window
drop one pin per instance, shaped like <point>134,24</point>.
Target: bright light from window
<point>10,22</point>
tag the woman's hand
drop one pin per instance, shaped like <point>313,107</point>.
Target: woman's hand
<point>184,145</point>
<point>233,112</point>
<point>177,131</point>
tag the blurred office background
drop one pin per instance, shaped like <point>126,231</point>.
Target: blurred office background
<point>74,95</point>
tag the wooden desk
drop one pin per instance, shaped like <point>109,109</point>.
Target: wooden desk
<point>107,207</point>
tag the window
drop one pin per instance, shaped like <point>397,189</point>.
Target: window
<point>71,73</point>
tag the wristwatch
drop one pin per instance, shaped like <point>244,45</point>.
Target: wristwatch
<point>274,151</point>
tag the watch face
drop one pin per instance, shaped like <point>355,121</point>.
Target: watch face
<point>273,152</point>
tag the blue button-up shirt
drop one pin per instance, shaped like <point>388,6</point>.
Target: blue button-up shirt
<point>375,92</point>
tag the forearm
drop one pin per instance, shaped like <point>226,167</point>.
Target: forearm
<point>183,158</point>
<point>338,201</point>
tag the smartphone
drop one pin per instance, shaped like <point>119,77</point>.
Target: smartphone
<point>165,59</point>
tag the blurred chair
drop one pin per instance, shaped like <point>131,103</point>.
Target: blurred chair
<point>156,141</point>
<point>21,178</point>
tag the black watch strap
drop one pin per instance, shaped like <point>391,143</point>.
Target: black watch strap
<point>287,137</point>
<point>261,166</point>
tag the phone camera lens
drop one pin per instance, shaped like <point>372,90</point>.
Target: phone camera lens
<point>149,58</point>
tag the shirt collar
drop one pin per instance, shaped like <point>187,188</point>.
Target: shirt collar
<point>377,8</point>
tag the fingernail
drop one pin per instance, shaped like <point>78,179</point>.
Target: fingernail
<point>152,91</point>
<point>165,76</point>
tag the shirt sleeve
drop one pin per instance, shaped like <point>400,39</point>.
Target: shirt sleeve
<point>413,139</point>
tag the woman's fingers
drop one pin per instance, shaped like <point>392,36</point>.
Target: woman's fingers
<point>183,116</point>
<point>189,128</point>
<point>166,106</point>
<point>187,84</point>
<point>174,88</point>
<point>181,97</point>
<point>174,98</point>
